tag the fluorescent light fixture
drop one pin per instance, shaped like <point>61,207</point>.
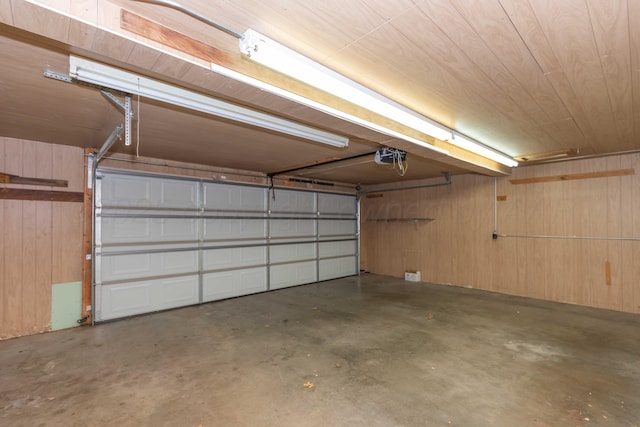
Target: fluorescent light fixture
<point>280,58</point>
<point>474,147</point>
<point>272,54</point>
<point>123,81</point>
<point>320,107</point>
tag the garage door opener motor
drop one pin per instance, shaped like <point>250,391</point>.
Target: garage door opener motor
<point>393,156</point>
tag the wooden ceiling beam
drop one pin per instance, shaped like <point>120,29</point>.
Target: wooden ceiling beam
<point>159,33</point>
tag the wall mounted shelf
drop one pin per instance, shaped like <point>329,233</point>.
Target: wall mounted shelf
<point>415,220</point>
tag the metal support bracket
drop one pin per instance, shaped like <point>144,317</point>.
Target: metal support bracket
<point>90,169</point>
<point>125,106</point>
<point>126,109</point>
<point>117,132</point>
<point>57,76</point>
<point>447,178</point>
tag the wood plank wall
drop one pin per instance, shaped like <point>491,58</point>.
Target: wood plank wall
<point>457,248</point>
<point>40,242</point>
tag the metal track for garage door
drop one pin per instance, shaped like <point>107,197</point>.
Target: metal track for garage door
<point>166,242</point>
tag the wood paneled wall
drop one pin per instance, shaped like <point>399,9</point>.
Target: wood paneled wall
<point>41,241</point>
<point>593,266</point>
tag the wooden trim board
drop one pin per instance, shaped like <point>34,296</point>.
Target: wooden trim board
<point>6,178</point>
<point>575,176</point>
<point>40,195</point>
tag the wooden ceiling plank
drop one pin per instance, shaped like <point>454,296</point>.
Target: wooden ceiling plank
<point>438,49</point>
<point>460,29</point>
<point>477,92</point>
<point>111,45</point>
<point>83,29</point>
<point>594,97</point>
<point>85,10</point>
<point>176,69</point>
<point>566,132</point>
<point>376,73</point>
<point>560,83</point>
<point>636,107</point>
<point>226,13</point>
<point>167,37</point>
<point>314,29</point>
<point>610,23</point>
<point>39,20</point>
<point>52,130</point>
<point>526,23</point>
<point>81,35</point>
<point>63,6</point>
<point>634,41</point>
<point>493,25</point>
<point>6,13</point>
<point>618,77</point>
<point>142,56</point>
<point>107,41</point>
<point>528,26</point>
<point>568,28</point>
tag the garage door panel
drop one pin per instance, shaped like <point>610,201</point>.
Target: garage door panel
<point>178,194</point>
<point>337,227</point>
<point>292,228</point>
<point>337,267</point>
<point>147,192</point>
<point>171,229</point>
<point>286,275</point>
<point>287,201</point>
<point>284,253</point>
<point>119,267</point>
<point>228,284</point>
<point>179,262</point>
<point>131,230</point>
<point>234,198</point>
<point>336,204</point>
<point>332,249</point>
<point>118,190</point>
<point>131,266</point>
<point>231,229</point>
<point>127,299</point>
<point>234,258</point>
<point>116,230</point>
<point>179,291</point>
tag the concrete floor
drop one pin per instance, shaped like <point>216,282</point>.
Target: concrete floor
<point>378,351</point>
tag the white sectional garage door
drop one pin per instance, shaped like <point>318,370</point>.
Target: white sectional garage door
<point>167,242</point>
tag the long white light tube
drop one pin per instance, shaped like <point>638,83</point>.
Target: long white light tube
<point>114,78</point>
<point>321,107</point>
<point>469,145</point>
<point>282,59</point>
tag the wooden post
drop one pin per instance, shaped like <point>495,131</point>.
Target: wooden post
<point>87,240</point>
